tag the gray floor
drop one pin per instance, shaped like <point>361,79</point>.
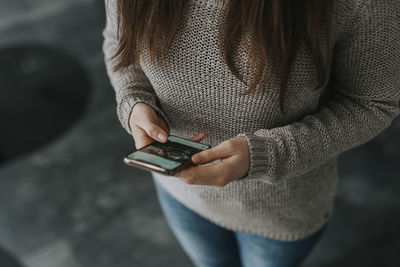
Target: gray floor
<point>72,202</point>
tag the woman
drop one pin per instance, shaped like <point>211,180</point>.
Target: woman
<point>279,88</point>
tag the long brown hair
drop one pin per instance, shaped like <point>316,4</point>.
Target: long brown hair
<point>278,28</point>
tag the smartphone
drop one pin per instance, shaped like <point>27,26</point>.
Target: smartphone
<point>167,158</point>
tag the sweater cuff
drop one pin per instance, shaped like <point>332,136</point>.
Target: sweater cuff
<point>125,107</point>
<point>258,155</point>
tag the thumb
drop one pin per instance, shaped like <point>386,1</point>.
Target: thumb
<point>155,131</point>
<point>218,152</point>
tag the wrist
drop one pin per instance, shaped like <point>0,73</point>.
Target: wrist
<point>257,154</point>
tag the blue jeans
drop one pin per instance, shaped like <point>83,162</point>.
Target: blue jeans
<point>209,245</point>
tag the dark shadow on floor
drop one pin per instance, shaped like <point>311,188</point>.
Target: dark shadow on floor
<point>44,92</point>
<point>8,260</point>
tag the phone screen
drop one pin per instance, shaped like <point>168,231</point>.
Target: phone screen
<point>168,155</point>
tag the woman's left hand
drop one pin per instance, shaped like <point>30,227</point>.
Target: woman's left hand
<point>234,164</point>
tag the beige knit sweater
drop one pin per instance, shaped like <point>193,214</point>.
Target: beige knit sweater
<point>289,191</point>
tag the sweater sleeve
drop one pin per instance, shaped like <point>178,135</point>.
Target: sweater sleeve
<point>364,102</point>
<point>131,85</point>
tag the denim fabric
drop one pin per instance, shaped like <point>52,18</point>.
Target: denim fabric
<point>209,245</point>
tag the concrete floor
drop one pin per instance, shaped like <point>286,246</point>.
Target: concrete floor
<point>72,202</point>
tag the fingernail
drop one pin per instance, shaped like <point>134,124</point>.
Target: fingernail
<point>161,137</point>
<point>197,159</point>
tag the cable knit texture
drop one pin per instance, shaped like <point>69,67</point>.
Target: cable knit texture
<point>289,190</point>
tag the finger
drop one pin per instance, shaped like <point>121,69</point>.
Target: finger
<point>140,137</point>
<point>163,125</point>
<point>198,137</point>
<point>220,151</point>
<point>206,175</point>
<point>154,131</point>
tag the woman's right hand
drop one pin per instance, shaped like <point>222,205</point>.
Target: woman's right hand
<point>146,126</point>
